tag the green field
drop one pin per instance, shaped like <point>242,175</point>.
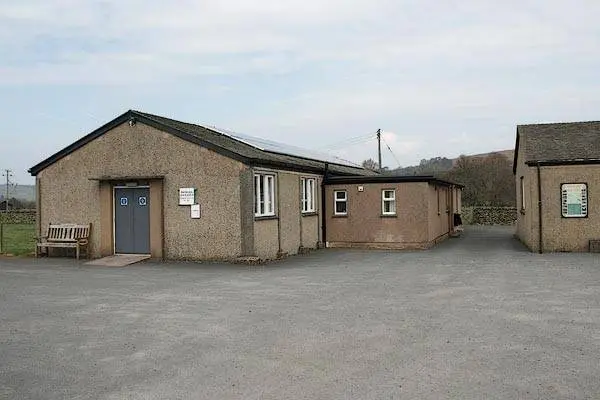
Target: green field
<point>18,239</point>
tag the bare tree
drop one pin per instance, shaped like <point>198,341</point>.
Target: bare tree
<point>370,164</point>
<point>488,180</point>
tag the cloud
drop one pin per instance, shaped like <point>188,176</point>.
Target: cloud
<point>443,77</point>
<point>231,37</point>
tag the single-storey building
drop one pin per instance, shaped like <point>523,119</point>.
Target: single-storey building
<point>170,189</point>
<point>557,175</point>
<point>390,212</point>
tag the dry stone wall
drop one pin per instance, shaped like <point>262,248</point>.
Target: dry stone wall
<point>17,217</point>
<point>486,215</point>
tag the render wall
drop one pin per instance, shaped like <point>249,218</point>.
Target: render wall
<point>440,206</point>
<point>290,230</point>
<point>68,195</point>
<point>569,234</point>
<point>527,217</point>
<point>365,226</point>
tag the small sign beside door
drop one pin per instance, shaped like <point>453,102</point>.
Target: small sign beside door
<point>195,211</point>
<point>187,196</point>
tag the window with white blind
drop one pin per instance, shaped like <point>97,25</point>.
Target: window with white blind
<point>340,205</point>
<point>388,202</point>
<point>264,195</point>
<point>308,195</point>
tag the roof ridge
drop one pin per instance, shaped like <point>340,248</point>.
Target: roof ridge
<point>561,123</point>
<point>217,130</point>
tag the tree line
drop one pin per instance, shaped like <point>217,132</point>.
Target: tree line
<point>488,179</point>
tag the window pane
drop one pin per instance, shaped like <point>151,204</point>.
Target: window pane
<point>340,195</point>
<point>310,195</point>
<point>303,189</point>
<point>262,196</point>
<point>258,194</point>
<point>268,194</point>
<point>340,207</point>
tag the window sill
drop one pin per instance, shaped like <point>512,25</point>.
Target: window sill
<point>266,218</point>
<point>310,214</point>
<point>388,216</point>
<point>340,216</point>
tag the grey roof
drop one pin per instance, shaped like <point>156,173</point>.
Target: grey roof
<point>558,142</point>
<point>332,180</point>
<point>216,141</point>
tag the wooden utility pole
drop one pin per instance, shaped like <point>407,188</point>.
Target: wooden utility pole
<point>379,147</point>
<point>8,174</point>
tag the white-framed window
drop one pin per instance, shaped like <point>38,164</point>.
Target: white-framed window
<point>308,195</point>
<point>340,202</point>
<point>388,202</point>
<point>574,200</point>
<point>264,195</point>
<point>522,194</point>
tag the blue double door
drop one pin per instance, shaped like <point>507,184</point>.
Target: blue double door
<point>132,220</point>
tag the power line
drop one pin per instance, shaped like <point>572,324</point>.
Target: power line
<point>351,141</point>
<point>390,149</point>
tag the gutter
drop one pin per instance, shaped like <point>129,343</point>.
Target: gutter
<point>539,187</point>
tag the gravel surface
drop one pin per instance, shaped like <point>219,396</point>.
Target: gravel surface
<point>476,317</point>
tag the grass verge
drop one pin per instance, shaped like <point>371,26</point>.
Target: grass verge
<point>18,239</point>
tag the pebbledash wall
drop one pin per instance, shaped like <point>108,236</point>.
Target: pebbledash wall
<point>290,231</point>
<point>78,188</point>
<point>424,214</point>
<point>558,233</point>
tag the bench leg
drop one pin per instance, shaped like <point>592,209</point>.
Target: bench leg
<point>77,252</point>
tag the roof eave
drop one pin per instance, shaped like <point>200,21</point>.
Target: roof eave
<point>148,120</point>
<point>516,155</point>
<point>332,180</point>
<point>577,161</point>
<point>36,169</point>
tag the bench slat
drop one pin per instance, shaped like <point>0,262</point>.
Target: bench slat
<point>66,235</point>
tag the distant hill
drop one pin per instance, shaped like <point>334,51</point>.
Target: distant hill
<point>510,154</point>
<point>438,165</point>
<point>21,192</point>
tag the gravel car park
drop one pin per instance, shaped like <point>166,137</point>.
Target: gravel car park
<point>476,317</point>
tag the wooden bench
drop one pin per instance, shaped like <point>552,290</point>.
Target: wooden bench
<point>65,236</point>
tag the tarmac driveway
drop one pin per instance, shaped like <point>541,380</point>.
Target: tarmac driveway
<point>477,317</point>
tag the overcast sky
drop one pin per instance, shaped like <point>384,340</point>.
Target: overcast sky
<point>441,78</point>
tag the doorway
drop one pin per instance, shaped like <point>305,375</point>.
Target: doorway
<point>131,220</point>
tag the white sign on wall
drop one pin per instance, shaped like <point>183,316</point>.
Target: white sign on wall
<point>187,196</point>
<point>574,200</point>
<point>195,211</point>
